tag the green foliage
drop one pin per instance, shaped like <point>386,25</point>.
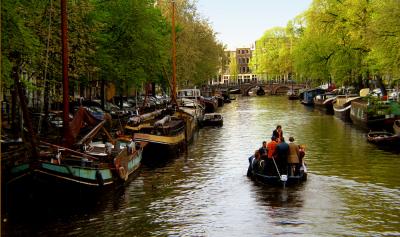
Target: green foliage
<point>198,55</point>
<point>233,66</point>
<point>273,53</point>
<point>131,42</point>
<point>20,44</point>
<point>346,42</point>
<point>124,42</point>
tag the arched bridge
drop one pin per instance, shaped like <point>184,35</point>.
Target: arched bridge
<point>269,88</point>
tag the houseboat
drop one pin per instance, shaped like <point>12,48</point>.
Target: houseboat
<point>372,113</point>
<point>324,102</point>
<point>308,96</point>
<point>342,105</point>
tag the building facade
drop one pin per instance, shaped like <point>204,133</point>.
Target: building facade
<point>242,72</point>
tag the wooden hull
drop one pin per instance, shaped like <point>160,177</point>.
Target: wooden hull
<point>159,139</point>
<point>342,112</point>
<point>210,106</point>
<point>275,180</point>
<point>212,119</point>
<point>324,104</point>
<point>71,176</point>
<point>88,175</point>
<point>213,122</point>
<point>362,116</point>
<point>383,138</point>
<point>342,106</point>
<point>13,167</point>
<point>220,101</point>
<point>307,102</point>
<point>162,147</point>
<point>396,127</point>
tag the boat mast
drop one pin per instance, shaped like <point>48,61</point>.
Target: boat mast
<point>173,97</point>
<point>64,38</point>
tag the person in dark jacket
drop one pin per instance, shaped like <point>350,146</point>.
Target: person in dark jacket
<point>278,133</point>
<point>282,153</point>
<point>263,150</point>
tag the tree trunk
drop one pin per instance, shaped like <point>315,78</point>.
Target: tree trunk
<point>27,119</point>
<point>359,82</point>
<point>14,123</point>
<point>153,89</point>
<point>381,85</point>
<point>46,97</point>
<point>102,92</point>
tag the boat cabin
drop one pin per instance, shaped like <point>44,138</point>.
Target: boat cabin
<point>308,95</point>
<point>189,94</point>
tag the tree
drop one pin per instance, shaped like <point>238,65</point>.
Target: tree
<point>132,43</point>
<point>199,55</point>
<point>273,53</point>
<point>233,67</point>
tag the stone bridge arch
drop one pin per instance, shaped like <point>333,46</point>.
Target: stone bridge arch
<point>280,89</point>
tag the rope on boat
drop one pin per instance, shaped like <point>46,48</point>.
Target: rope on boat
<point>283,179</point>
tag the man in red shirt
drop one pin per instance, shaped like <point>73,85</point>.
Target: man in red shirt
<point>271,147</point>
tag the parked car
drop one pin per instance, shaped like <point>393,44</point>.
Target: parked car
<point>93,107</point>
<point>113,110</point>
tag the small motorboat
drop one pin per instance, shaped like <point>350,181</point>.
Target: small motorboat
<point>384,139</point>
<point>257,171</point>
<point>212,119</point>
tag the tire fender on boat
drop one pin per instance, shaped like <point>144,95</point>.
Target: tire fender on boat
<point>122,173</point>
<point>262,164</point>
<point>99,178</point>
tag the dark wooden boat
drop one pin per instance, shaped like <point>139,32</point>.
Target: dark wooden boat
<point>256,172</point>
<point>293,97</point>
<point>293,94</point>
<point>212,119</point>
<point>342,106</point>
<point>15,162</point>
<point>368,113</point>
<point>384,139</point>
<point>220,100</point>
<point>167,136</point>
<point>226,96</point>
<point>396,127</point>
<point>94,162</point>
<point>210,104</point>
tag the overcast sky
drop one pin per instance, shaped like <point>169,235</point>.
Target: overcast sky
<point>241,22</point>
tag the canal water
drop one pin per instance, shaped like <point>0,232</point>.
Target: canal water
<point>353,188</point>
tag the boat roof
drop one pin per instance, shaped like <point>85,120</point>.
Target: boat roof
<point>314,89</point>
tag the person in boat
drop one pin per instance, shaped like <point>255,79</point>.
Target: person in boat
<point>263,150</point>
<point>293,158</point>
<point>282,153</point>
<point>271,146</point>
<point>278,133</point>
<point>256,156</point>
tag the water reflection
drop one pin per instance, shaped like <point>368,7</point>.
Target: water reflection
<point>352,189</point>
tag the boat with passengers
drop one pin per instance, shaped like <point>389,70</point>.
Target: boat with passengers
<point>275,175</point>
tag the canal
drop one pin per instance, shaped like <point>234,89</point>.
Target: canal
<point>353,188</point>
